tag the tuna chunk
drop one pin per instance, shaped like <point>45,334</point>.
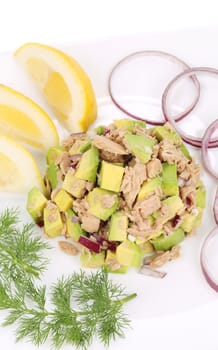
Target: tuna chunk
<point>70,140</point>
<point>107,201</point>
<point>111,157</point>
<point>191,172</point>
<point>133,178</point>
<point>116,135</point>
<point>90,223</point>
<point>154,168</point>
<point>187,194</point>
<point>65,162</point>
<point>168,152</point>
<point>162,258</point>
<point>147,206</point>
<point>104,143</point>
<point>80,206</point>
<point>140,230</point>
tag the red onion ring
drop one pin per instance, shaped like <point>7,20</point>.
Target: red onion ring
<point>164,55</point>
<point>205,143</point>
<point>192,140</point>
<point>215,207</point>
<point>203,259</point>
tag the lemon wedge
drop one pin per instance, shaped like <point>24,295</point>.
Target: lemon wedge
<point>63,82</point>
<point>19,171</point>
<point>25,121</point>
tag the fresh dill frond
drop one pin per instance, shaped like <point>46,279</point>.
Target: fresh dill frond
<point>97,308</point>
<point>81,306</point>
<point>8,222</point>
<point>21,252</point>
<point>67,322</point>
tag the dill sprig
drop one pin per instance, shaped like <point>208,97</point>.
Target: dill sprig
<point>21,252</point>
<point>81,306</point>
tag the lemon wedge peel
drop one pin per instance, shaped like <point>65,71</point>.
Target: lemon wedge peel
<point>24,120</point>
<point>19,171</point>
<point>51,65</point>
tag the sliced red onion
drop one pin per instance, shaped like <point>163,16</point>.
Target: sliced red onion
<point>207,256</point>
<point>104,243</point>
<point>165,56</point>
<point>215,207</point>
<point>176,221</point>
<point>106,131</point>
<point>90,244</point>
<point>192,140</point>
<point>148,271</point>
<point>205,144</point>
<point>75,219</point>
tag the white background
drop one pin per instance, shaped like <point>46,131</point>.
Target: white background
<point>64,21</point>
<point>75,20</point>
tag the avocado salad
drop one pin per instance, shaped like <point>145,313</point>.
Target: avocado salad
<point>123,194</point>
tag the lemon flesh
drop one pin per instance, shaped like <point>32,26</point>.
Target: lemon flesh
<point>19,171</point>
<point>25,121</point>
<point>63,82</point>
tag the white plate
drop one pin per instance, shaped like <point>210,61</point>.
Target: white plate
<point>183,294</point>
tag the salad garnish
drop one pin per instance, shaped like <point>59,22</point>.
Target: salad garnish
<point>208,252</point>
<point>81,306</point>
<point>205,145</point>
<point>134,58</point>
<point>192,140</point>
<point>215,207</point>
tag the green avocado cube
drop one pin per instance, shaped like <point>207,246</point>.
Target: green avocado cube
<point>76,187</point>
<point>99,129</point>
<point>129,254</point>
<point>188,222</point>
<point>92,260</point>
<point>185,151</point>
<point>167,242</point>
<point>153,235</point>
<point>201,197</point>
<point>112,264</point>
<point>146,247</point>
<point>163,133</point>
<point>140,146</point>
<point>174,204</point>
<point>86,146</point>
<point>118,227</point>
<point>102,203</point>
<point>54,154</point>
<point>148,187</point>
<point>75,148</point>
<point>53,224</point>
<point>74,229</point>
<point>128,124</point>
<point>198,218</point>
<point>191,220</point>
<point>63,200</point>
<point>80,146</point>
<point>170,185</point>
<point>88,165</point>
<point>110,177</point>
<point>52,175</point>
<point>36,202</point>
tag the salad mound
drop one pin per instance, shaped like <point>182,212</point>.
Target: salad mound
<point>124,194</point>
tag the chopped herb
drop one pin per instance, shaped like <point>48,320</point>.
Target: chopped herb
<point>81,306</point>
